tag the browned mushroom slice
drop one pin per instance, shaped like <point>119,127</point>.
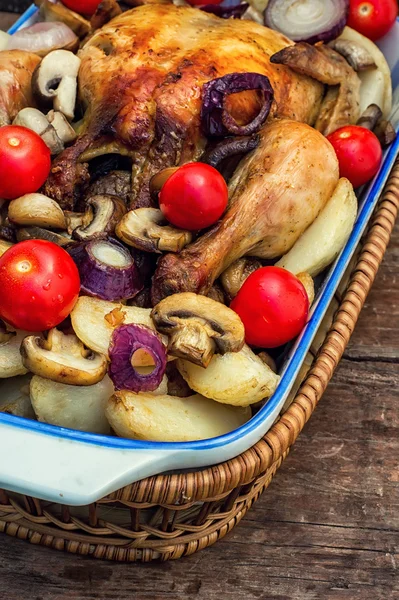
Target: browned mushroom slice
<point>145,229</point>
<point>356,55</point>
<point>107,211</point>
<point>39,233</point>
<point>63,358</point>
<point>370,117</point>
<point>36,210</point>
<point>106,10</point>
<point>35,120</point>
<point>235,276</point>
<point>385,132</point>
<point>341,105</point>
<point>198,327</point>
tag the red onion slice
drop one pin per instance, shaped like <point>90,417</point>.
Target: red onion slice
<point>107,270</point>
<point>308,21</point>
<point>42,38</point>
<point>216,120</point>
<point>125,341</point>
<point>226,12</point>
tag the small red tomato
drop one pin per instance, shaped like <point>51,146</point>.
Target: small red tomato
<point>372,18</point>
<point>194,197</point>
<point>83,7</point>
<point>359,153</point>
<point>273,305</point>
<point>39,285</point>
<point>25,162</point>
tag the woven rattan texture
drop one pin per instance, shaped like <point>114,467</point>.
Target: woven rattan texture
<point>169,516</point>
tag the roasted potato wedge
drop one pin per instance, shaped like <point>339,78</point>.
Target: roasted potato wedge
<point>171,419</point>
<point>237,378</point>
<point>324,239</point>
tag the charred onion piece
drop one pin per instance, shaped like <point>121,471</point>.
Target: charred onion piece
<point>230,147</point>
<point>198,327</point>
<point>370,117</point>
<point>216,120</point>
<point>126,340</point>
<point>357,55</point>
<point>226,12</point>
<point>36,209</point>
<point>108,211</point>
<point>63,358</point>
<point>145,230</point>
<point>308,20</point>
<point>107,270</point>
<point>385,132</point>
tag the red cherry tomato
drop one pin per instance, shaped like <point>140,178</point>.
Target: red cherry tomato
<point>39,285</point>
<point>273,305</point>
<point>25,162</point>
<point>372,18</point>
<point>359,153</point>
<point>194,197</point>
<point>83,7</point>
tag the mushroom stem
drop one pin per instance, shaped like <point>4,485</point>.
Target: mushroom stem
<point>36,121</point>
<point>385,132</point>
<point>370,117</point>
<point>356,54</point>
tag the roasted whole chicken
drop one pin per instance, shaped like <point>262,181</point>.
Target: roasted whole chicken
<point>141,79</point>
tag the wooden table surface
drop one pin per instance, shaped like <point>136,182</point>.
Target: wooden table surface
<point>327,528</point>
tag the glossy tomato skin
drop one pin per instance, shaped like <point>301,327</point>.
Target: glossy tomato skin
<point>25,162</point>
<point>39,285</point>
<point>273,305</point>
<point>194,197</point>
<point>83,7</point>
<point>359,153</point>
<point>372,18</point>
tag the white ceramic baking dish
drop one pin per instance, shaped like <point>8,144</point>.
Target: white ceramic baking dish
<point>77,468</point>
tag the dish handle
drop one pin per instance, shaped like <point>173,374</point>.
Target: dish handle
<point>70,472</point>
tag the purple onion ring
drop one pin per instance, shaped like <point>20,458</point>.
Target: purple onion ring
<point>216,120</point>
<point>125,341</point>
<point>226,12</point>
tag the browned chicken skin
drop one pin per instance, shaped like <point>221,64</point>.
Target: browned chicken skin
<point>275,194</point>
<point>16,69</point>
<point>141,79</point>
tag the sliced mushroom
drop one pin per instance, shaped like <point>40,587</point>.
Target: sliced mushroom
<point>341,104</point>
<point>56,11</point>
<point>171,419</point>
<point>74,220</point>
<point>106,10</point>
<point>357,55</point>
<point>63,358</point>
<point>385,132</point>
<point>11,363</point>
<point>81,408</point>
<point>55,81</point>
<point>14,397</point>
<point>370,117</point>
<point>63,128</point>
<point>36,210</point>
<point>197,327</point>
<point>144,229</point>
<point>35,120</point>
<point>159,179</point>
<point>38,233</point>
<point>107,211</point>
<point>237,378</point>
<point>234,277</point>
<point>4,246</point>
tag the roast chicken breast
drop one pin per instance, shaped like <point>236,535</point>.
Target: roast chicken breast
<point>16,69</point>
<point>275,194</point>
<point>140,83</point>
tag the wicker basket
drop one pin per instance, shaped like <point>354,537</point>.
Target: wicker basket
<point>169,516</point>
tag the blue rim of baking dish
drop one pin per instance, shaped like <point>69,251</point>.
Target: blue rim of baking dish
<point>297,354</point>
